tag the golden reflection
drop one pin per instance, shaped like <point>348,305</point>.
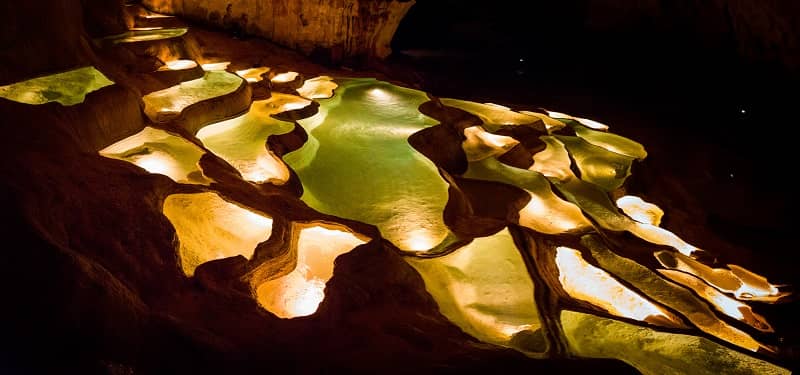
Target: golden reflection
<point>178,65</point>
<point>284,77</point>
<point>67,88</point>
<point>547,213</point>
<point>483,288</point>
<point>253,75</point>
<point>588,283</point>
<point>216,66</point>
<point>743,284</point>
<point>242,141</point>
<point>145,34</point>
<point>584,121</point>
<point>553,161</point>
<point>670,294</point>
<point>318,88</point>
<point>163,105</point>
<point>660,236</point>
<point>480,144</point>
<point>598,166</point>
<point>379,95</point>
<point>550,123</point>
<point>639,210</point>
<point>492,115</point>
<point>655,353</point>
<point>160,152</point>
<point>611,142</point>
<point>209,228</point>
<point>721,302</point>
<point>300,292</point>
<point>419,239</point>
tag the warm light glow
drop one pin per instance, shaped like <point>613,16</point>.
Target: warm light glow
<point>242,141</point>
<point>611,142</point>
<point>480,144</point>
<point>584,121</point>
<point>670,294</point>
<point>158,151</point>
<point>756,287</point>
<point>550,123</point>
<point>545,212</point>
<point>588,283</point>
<point>253,74</point>
<point>483,288</point>
<point>378,94</point>
<point>67,88</point>
<point>318,88</point>
<point>292,295</point>
<point>660,236</point>
<point>492,115</point>
<point>158,163</point>
<point>358,152</point>
<point>639,210</point>
<point>743,284</point>
<point>420,240</point>
<point>216,66</point>
<point>284,77</point>
<point>209,228</point>
<point>553,161</point>
<point>179,65</point>
<point>146,34</point>
<point>598,166</point>
<point>168,103</point>
<point>653,352</point>
<point>721,302</point>
<point>549,214</point>
<point>300,292</point>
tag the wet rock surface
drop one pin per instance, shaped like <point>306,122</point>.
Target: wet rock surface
<point>96,282</point>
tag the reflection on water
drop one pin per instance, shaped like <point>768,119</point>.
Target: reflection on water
<point>300,292</point>
<point>483,288</point>
<point>158,151</point>
<point>242,141</point>
<point>209,228</point>
<point>354,168</point>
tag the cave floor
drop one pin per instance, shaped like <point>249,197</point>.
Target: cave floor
<point>413,198</point>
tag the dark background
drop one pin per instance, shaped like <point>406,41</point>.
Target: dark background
<point>709,87</point>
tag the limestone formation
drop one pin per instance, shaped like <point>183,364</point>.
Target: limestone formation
<point>333,29</point>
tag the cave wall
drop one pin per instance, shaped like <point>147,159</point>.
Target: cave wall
<point>336,29</point>
<point>39,37</point>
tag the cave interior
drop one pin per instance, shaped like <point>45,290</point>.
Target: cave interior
<point>398,186</point>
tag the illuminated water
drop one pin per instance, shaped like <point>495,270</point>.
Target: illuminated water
<point>358,163</point>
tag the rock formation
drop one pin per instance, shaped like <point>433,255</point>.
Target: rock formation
<point>143,239</point>
<point>332,29</point>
